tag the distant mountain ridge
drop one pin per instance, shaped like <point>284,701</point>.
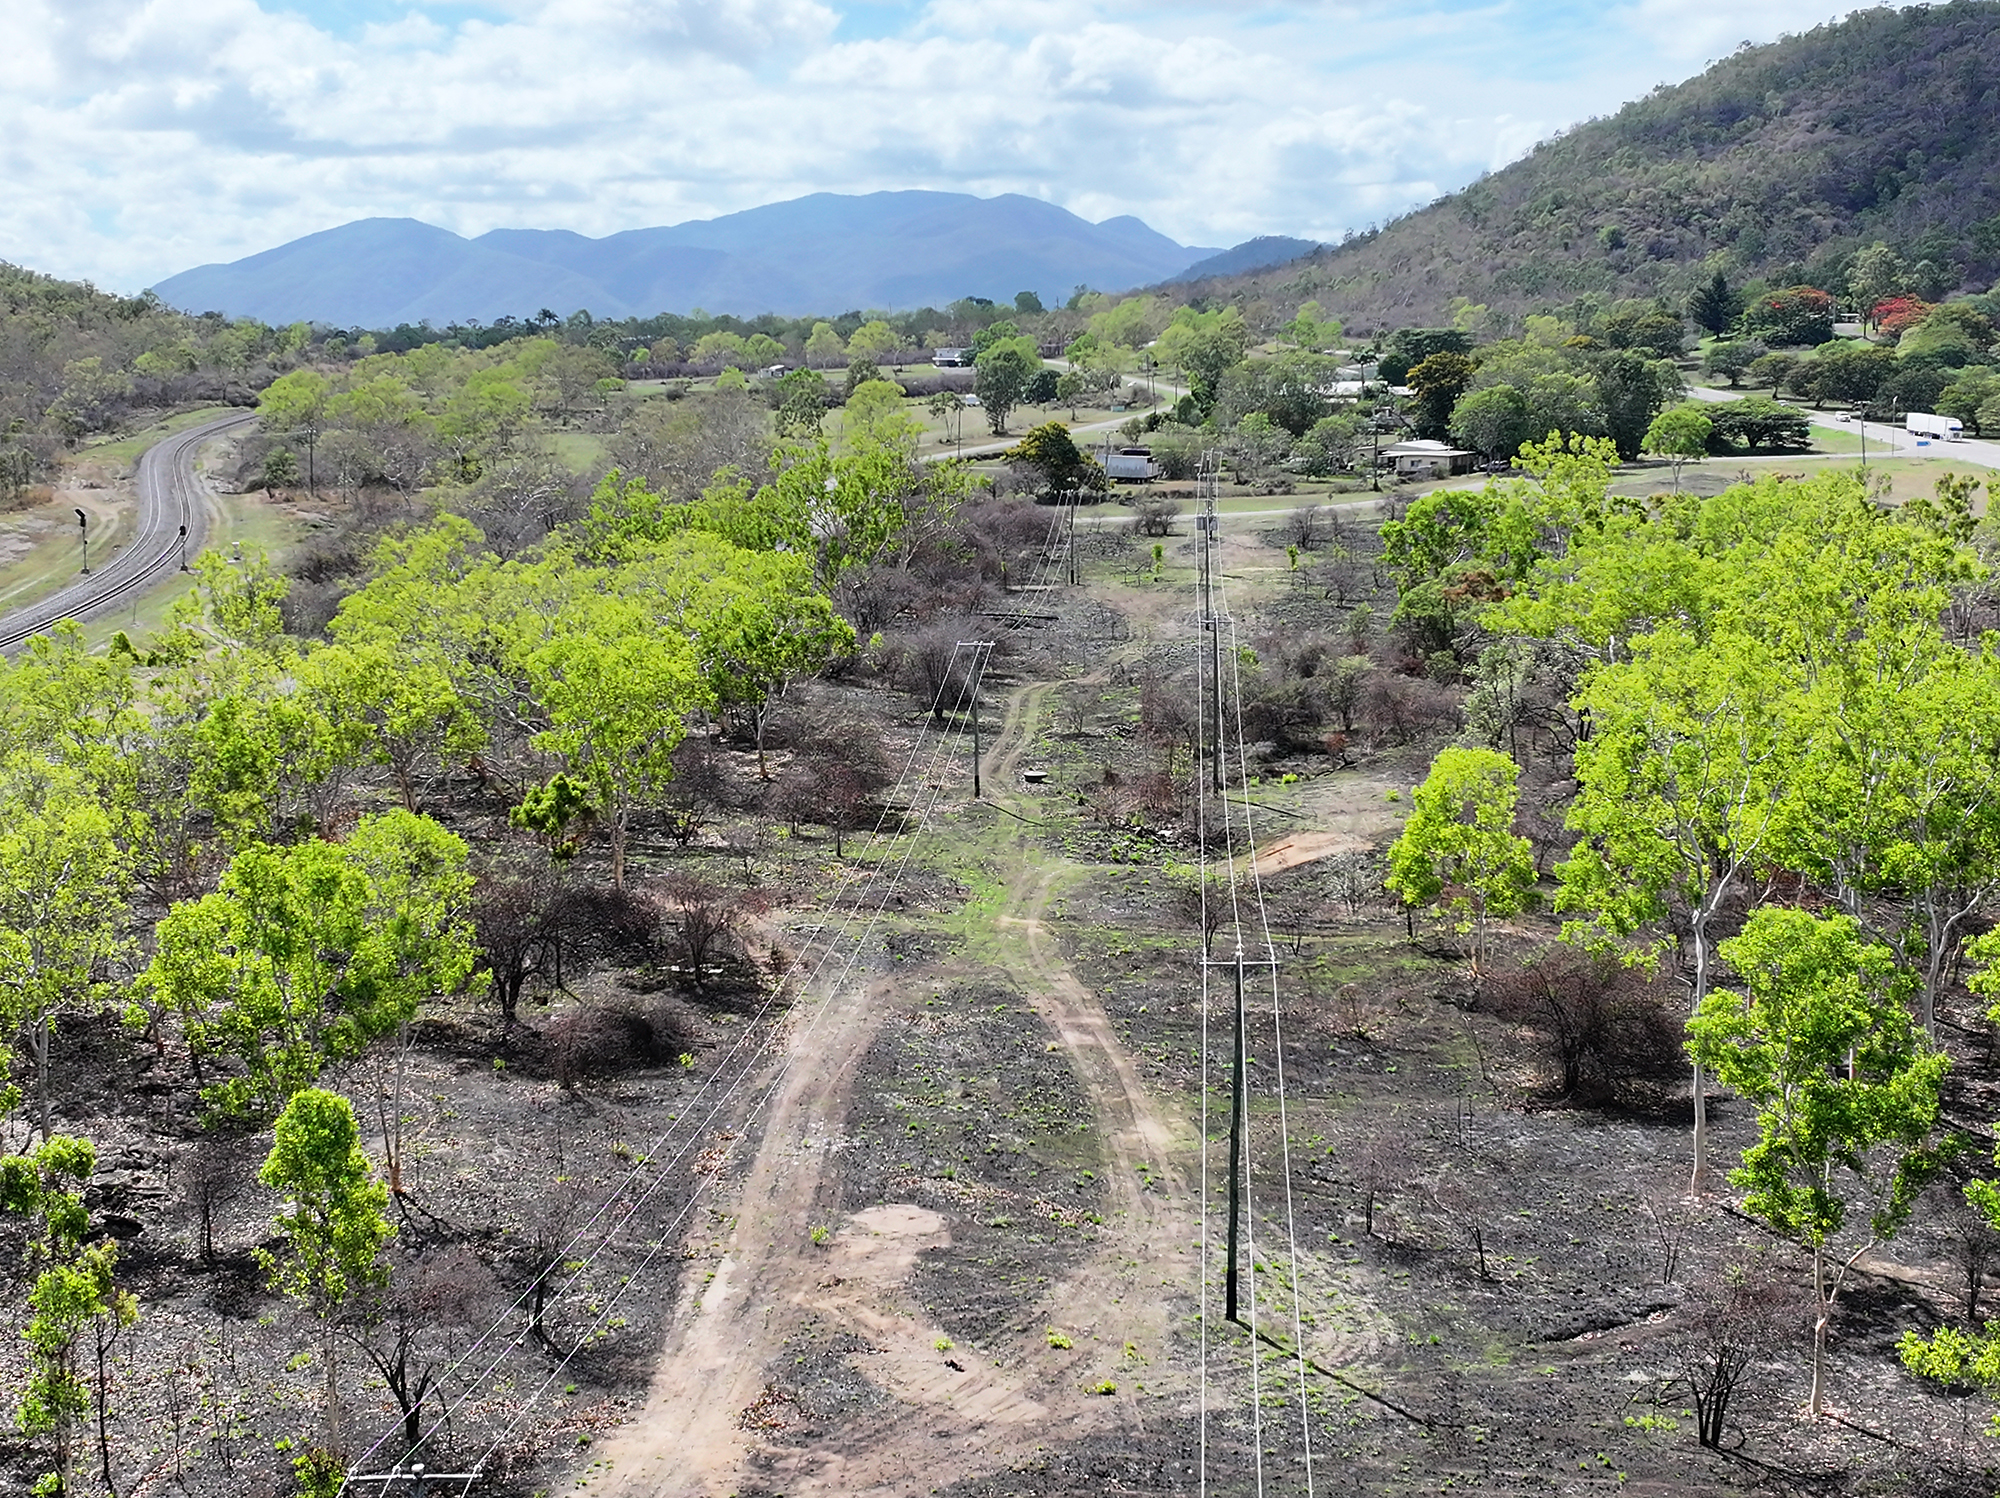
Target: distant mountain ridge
<point>1252,254</point>
<point>1779,162</point>
<point>827,253</point>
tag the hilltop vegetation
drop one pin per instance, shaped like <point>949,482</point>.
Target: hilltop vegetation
<point>1778,164</point>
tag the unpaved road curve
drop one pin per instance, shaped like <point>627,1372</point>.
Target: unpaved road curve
<point>943,1423</point>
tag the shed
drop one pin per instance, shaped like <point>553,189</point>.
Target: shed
<point>1131,465</point>
<point>952,358</point>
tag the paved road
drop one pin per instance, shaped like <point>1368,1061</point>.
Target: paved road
<point>1893,441</point>
<point>170,496</point>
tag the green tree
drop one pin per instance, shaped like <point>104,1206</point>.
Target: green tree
<point>1458,854</point>
<point>1877,274</point>
<point>1713,305</point>
<point>824,349</point>
<point>1633,389</point>
<point>802,402</point>
<point>1969,395</point>
<point>874,341</point>
<point>617,691</point>
<point>1439,381</point>
<point>334,1225</point>
<point>1798,315</point>
<point>74,1290</point>
<point>405,709</point>
<point>64,877</point>
<point>1204,346</point>
<point>1680,435</point>
<point>1732,358</point>
<point>1846,1091</point>
<point>1493,422</point>
<point>306,954</point>
<point>1000,379</point>
<point>297,405</point>
<point>1678,790</point>
<point>1053,455</point>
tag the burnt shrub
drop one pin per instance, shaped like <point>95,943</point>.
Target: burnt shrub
<point>1603,1027</point>
<point>602,1040</point>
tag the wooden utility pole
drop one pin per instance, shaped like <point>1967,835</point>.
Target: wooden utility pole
<point>978,649</point>
<point>1235,1143</point>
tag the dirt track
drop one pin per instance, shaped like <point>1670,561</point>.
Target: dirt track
<point>949,1413</point>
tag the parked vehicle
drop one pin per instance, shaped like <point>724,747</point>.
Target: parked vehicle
<point>1925,424</point>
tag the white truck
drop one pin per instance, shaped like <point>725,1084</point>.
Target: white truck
<point>1925,424</point>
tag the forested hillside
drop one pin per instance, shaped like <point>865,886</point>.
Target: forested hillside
<point>75,360</point>
<point>1778,163</point>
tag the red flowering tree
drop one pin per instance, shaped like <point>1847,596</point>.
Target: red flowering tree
<point>1796,315</point>
<point>1899,314</point>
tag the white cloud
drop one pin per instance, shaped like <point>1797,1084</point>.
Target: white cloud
<point>139,137</point>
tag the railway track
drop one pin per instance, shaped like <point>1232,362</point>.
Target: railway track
<point>173,522</point>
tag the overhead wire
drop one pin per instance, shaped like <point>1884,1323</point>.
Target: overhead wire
<point>679,1123</point>
<point>1278,1050</point>
<point>769,1090</point>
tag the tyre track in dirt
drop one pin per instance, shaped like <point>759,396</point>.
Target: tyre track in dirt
<point>943,1423</point>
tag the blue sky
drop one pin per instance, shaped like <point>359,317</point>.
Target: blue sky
<point>139,138</point>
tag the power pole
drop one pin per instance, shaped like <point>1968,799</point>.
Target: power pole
<point>977,647</point>
<point>1235,1142</point>
<point>1207,522</point>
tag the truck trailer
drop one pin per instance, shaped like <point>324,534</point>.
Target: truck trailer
<point>1925,424</point>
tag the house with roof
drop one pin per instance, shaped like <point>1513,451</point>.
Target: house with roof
<point>1423,458</point>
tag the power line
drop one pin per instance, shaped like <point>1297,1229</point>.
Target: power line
<point>679,1121</point>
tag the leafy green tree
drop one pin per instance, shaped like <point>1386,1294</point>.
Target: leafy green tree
<point>1438,382</point>
<point>1850,374</point>
<point>1896,803</point>
<point>1648,328</point>
<point>64,877</point>
<point>1458,854</point>
<point>1756,424</point>
<point>1633,389</point>
<point>1969,396</point>
<point>875,414</point>
<point>824,348</point>
<point>1000,379</point>
<point>1680,435</point>
<point>874,341</point>
<point>1409,347</point>
<point>617,692</point>
<point>407,710</point>
<point>1877,274</point>
<point>306,954</point>
<point>1310,328</point>
<point>334,1225</point>
<point>1204,346</point>
<point>1053,455</point>
<point>1846,1091</point>
<point>298,405</point>
<point>802,402</point>
<point>1713,305</point>
<point>74,1291</point>
<point>1493,422</point>
<point>1796,316</point>
<point>1678,793</point>
<point>1732,358</point>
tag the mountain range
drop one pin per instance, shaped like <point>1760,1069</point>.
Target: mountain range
<point>823,253</point>
<point>1777,163</point>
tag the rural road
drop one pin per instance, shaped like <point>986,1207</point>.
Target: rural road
<point>170,496</point>
<point>1893,440</point>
